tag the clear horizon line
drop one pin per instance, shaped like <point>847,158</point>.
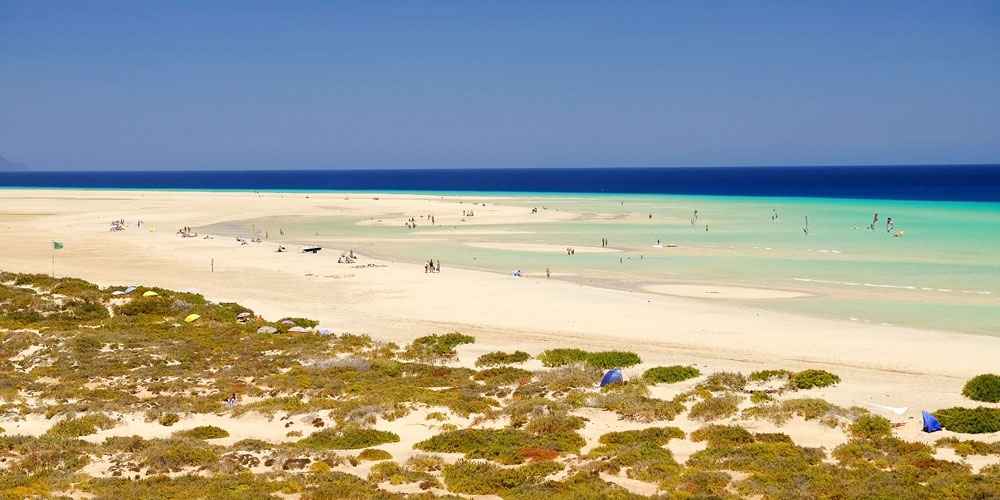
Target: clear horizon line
<point>28,169</point>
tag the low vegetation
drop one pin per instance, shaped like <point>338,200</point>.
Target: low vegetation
<point>498,358</point>
<point>603,359</point>
<point>979,420</point>
<point>351,438</point>
<point>203,432</point>
<point>83,359</point>
<point>809,379</point>
<point>670,374</point>
<point>985,388</point>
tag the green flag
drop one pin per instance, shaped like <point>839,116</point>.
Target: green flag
<point>57,245</point>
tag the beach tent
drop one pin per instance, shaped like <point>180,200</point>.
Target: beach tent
<point>614,376</point>
<point>931,424</point>
<point>150,293</point>
<point>191,317</point>
<point>125,292</point>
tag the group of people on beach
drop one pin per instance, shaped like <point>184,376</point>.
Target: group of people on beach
<point>186,232</point>
<point>347,258</point>
<point>432,267</point>
<point>411,223</point>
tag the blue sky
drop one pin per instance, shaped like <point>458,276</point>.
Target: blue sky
<point>137,85</point>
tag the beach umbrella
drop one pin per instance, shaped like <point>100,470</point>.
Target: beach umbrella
<point>191,317</point>
<point>150,293</point>
<point>614,376</point>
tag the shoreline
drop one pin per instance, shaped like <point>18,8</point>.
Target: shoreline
<point>401,302</point>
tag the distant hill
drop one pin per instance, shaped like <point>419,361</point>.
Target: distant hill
<point>7,165</point>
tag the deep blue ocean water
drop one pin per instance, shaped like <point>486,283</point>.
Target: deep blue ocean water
<point>945,182</point>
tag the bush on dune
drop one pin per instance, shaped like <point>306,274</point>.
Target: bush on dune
<point>979,420</point>
<point>498,358</point>
<point>81,426</point>
<point>501,445</point>
<point>670,374</point>
<point>808,379</point>
<point>203,432</point>
<point>350,438</point>
<point>436,347</point>
<point>480,478</point>
<point>603,360</point>
<point>985,388</point>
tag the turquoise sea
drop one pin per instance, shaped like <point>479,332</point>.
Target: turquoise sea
<point>937,268</point>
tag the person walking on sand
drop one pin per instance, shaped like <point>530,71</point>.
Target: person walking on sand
<point>547,273</point>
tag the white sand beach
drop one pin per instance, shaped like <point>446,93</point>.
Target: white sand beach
<point>665,324</point>
<point>399,301</point>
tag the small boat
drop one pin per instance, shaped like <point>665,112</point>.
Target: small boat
<point>312,249</point>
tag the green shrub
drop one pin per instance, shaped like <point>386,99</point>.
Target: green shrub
<point>203,432</point>
<point>436,347</point>
<point>350,438</point>
<point>172,455</point>
<point>715,407</point>
<point>581,485</point>
<point>807,379</point>
<point>562,357</point>
<point>970,447</point>
<point>169,419</point>
<point>500,445</point>
<point>498,358</point>
<point>604,359</point>
<point>632,402</point>
<point>765,375</point>
<point>807,408</point>
<point>612,359</point>
<point>984,387</point>
<point>724,381</point>
<point>670,374</point>
<point>871,427</point>
<point>393,473</point>
<point>651,435</point>
<point>970,420</point>
<point>722,435</point>
<point>479,478</point>
<point>81,426</point>
<point>374,455</point>
<point>760,397</point>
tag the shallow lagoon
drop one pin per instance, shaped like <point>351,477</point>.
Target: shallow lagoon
<point>942,273</point>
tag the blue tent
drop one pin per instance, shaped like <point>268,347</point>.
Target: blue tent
<point>931,424</point>
<point>614,376</point>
